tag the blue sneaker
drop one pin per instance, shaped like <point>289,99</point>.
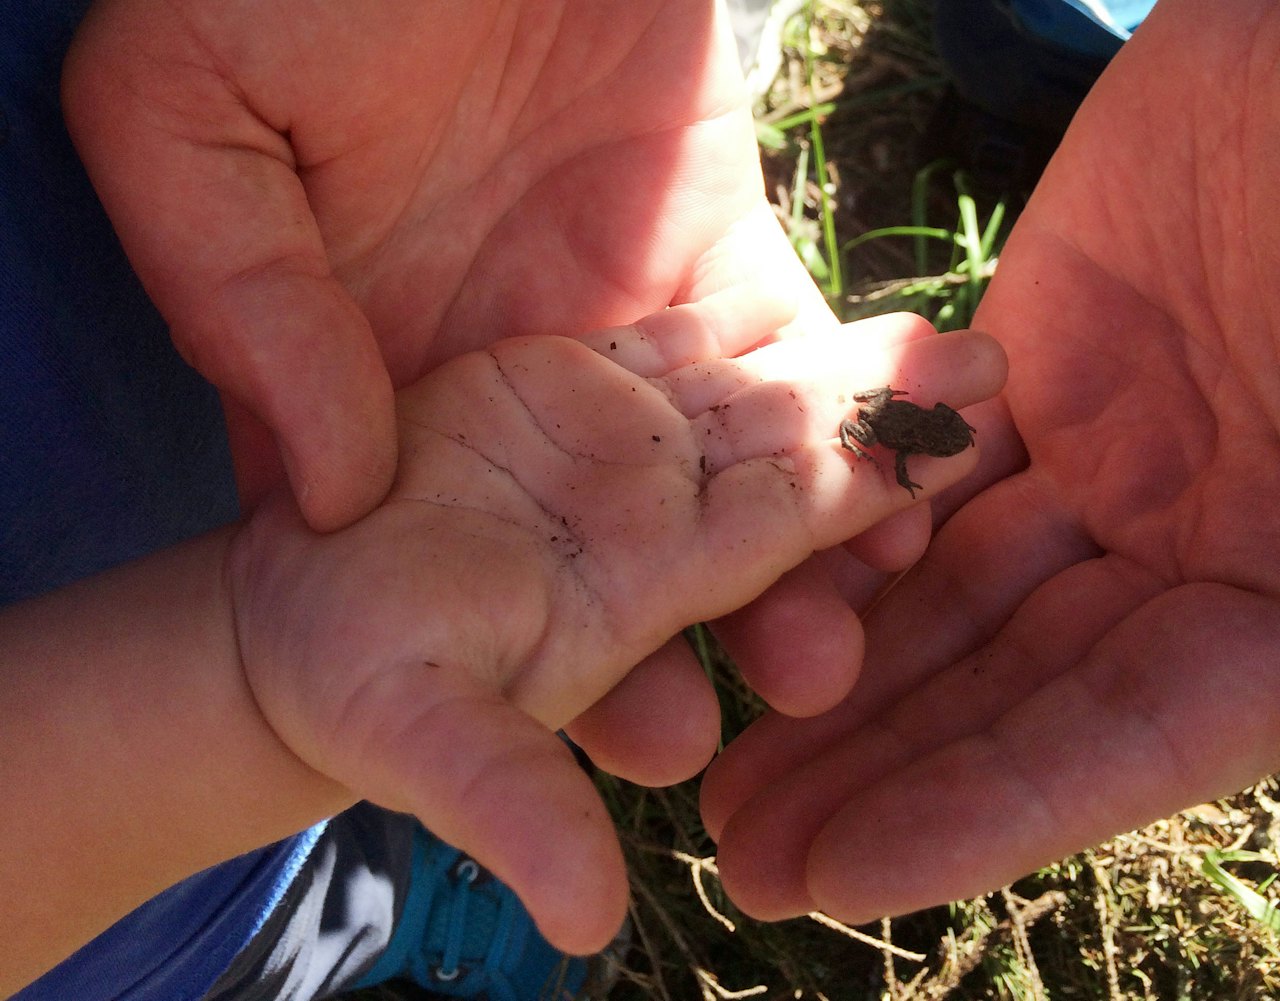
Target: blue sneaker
<point>464,934</point>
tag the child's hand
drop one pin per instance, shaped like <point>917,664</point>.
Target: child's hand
<point>561,509</point>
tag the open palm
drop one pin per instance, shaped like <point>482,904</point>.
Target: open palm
<point>1093,640</point>
<point>327,200</point>
<point>561,507</point>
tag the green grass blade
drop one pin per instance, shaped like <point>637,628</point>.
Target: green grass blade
<point>1265,911</point>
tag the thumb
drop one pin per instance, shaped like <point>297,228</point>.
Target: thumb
<point>296,354</point>
<point>484,776</point>
<point>210,209</point>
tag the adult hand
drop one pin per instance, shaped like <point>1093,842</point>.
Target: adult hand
<point>327,200</point>
<point>561,507</point>
<point>1092,642</point>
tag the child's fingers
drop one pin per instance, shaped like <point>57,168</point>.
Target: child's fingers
<point>799,645</point>
<point>659,725</point>
<point>763,515</point>
<point>492,781</point>
<point>720,326</point>
<point>798,396</point>
<point>865,350</point>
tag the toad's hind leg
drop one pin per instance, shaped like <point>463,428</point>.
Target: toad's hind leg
<point>900,467</point>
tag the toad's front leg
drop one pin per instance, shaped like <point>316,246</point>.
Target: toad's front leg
<point>857,437</point>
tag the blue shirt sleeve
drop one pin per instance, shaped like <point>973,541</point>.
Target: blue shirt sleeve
<point>175,946</point>
<point>110,447</point>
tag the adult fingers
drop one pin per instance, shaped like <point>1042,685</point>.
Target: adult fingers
<point>755,253</point>
<point>988,559</point>
<point>1164,713</point>
<point>835,760</point>
<point>939,706</point>
<point>296,360</point>
<point>722,325</point>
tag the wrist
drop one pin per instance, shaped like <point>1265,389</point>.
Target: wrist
<point>135,753</point>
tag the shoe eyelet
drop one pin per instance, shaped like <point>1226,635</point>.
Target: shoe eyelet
<point>443,976</point>
<point>466,869</point>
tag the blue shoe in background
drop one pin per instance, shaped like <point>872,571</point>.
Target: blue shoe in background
<point>464,934</point>
<point>1018,71</point>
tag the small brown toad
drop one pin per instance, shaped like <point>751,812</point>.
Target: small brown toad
<point>906,428</point>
